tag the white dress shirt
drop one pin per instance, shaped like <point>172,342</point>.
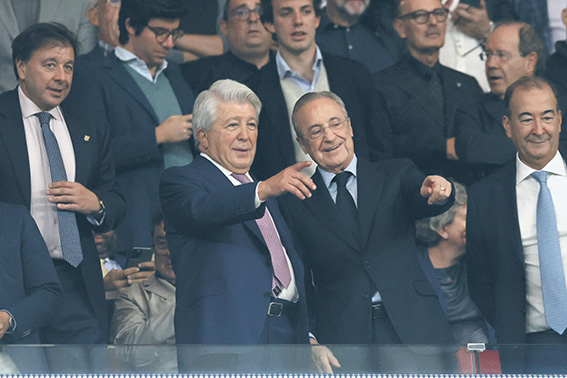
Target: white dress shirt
<point>44,212</point>
<point>138,64</point>
<point>290,293</point>
<point>527,191</point>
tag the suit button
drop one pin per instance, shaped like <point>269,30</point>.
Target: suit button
<point>367,265</point>
<point>366,296</point>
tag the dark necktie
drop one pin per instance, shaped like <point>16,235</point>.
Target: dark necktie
<point>68,231</point>
<point>436,90</point>
<point>550,261</point>
<point>345,203</point>
<point>282,275</point>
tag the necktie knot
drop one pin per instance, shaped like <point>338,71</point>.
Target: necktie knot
<point>243,179</point>
<point>44,118</point>
<point>541,177</point>
<point>342,178</point>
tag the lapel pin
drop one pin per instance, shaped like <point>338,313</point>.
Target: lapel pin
<point>458,84</point>
<point>87,138</point>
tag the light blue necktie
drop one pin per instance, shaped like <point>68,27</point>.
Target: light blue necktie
<point>550,262</point>
<point>68,231</point>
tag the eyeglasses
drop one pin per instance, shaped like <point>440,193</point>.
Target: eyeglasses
<point>243,14</point>
<point>162,34</point>
<point>114,2</point>
<point>161,248</point>
<point>502,56</point>
<point>422,16</point>
<point>317,132</point>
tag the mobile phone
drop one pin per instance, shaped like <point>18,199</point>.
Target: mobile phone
<point>472,3</point>
<point>138,255</point>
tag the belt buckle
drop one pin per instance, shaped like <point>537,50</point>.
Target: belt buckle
<point>275,309</point>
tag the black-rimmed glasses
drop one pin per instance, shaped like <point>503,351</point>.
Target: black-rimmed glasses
<point>162,34</point>
<point>422,16</point>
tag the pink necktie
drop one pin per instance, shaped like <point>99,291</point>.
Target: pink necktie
<point>282,275</point>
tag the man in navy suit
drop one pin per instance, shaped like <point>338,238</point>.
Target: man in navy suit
<point>370,288</point>
<point>239,278</point>
<point>43,57</point>
<point>148,105</point>
<point>505,256</point>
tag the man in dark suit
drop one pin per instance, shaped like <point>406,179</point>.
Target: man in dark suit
<point>299,67</point>
<point>248,43</point>
<point>420,96</point>
<point>30,292</point>
<point>513,50</point>
<point>357,235</point>
<point>55,161</point>
<point>148,105</point>
<point>237,281</point>
<point>511,235</point>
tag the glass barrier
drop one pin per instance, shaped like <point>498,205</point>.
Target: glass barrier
<point>282,360</point>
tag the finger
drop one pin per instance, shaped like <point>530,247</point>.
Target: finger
<point>333,360</point>
<point>482,4</point>
<point>187,117</point>
<point>306,181</point>
<point>130,271</point>
<point>301,165</point>
<point>148,264</point>
<point>62,184</point>
<point>119,284</point>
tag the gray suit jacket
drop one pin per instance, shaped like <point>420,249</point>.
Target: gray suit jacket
<point>71,13</point>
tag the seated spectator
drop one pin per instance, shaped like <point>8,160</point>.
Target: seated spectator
<point>467,29</point>
<point>343,33</point>
<point>249,48</point>
<point>16,16</point>
<point>144,312</point>
<point>420,96</point>
<point>442,258</point>
<point>513,50</point>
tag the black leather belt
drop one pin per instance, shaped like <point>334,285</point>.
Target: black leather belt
<point>280,307</point>
<point>378,310</point>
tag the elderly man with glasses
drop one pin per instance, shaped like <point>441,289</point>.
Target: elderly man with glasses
<point>420,95</point>
<point>148,105</point>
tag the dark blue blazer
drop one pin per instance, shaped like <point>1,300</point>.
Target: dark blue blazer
<point>495,256</point>
<point>351,81</point>
<point>118,100</point>
<point>347,271</point>
<point>30,287</point>
<point>94,170</point>
<point>221,261</point>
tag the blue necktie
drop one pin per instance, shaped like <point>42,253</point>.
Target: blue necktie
<point>550,262</point>
<point>68,231</point>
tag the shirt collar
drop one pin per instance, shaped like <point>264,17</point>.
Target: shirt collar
<point>106,48</point>
<point>284,70</point>
<point>556,166</point>
<point>224,171</point>
<point>29,108</point>
<point>329,176</point>
<point>424,70</point>
<point>138,64</point>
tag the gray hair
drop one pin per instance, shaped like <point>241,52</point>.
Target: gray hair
<point>222,91</point>
<point>312,96</point>
<point>427,229</point>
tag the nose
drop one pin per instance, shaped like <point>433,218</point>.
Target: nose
<point>59,73</point>
<point>169,43</point>
<point>298,18</point>
<point>538,128</point>
<point>243,133</point>
<point>254,16</point>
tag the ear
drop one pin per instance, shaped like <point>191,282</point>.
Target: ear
<point>564,16</point>
<point>223,26</point>
<point>399,26</point>
<point>507,126</point>
<point>202,137</point>
<point>21,67</point>
<point>560,118</point>
<point>270,27</point>
<point>531,61</point>
<point>129,28</point>
<point>443,233</point>
<point>92,14</point>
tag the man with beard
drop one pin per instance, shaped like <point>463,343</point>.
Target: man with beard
<point>420,95</point>
<point>343,32</point>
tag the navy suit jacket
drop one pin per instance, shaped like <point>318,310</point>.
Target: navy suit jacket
<point>118,100</point>
<point>30,287</point>
<point>347,271</point>
<point>351,81</point>
<point>495,256</point>
<point>221,261</point>
<point>94,170</point>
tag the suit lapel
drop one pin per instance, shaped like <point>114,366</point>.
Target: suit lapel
<point>410,84</point>
<point>323,207</point>
<point>8,18</point>
<point>510,209</point>
<point>452,89</point>
<point>14,137</point>
<point>370,186</point>
<point>119,74</point>
<point>181,93</point>
<point>82,144</point>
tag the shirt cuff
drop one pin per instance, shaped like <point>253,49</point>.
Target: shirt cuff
<point>92,220</point>
<point>257,201</point>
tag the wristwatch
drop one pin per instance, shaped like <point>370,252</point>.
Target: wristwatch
<point>10,324</point>
<point>102,209</point>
